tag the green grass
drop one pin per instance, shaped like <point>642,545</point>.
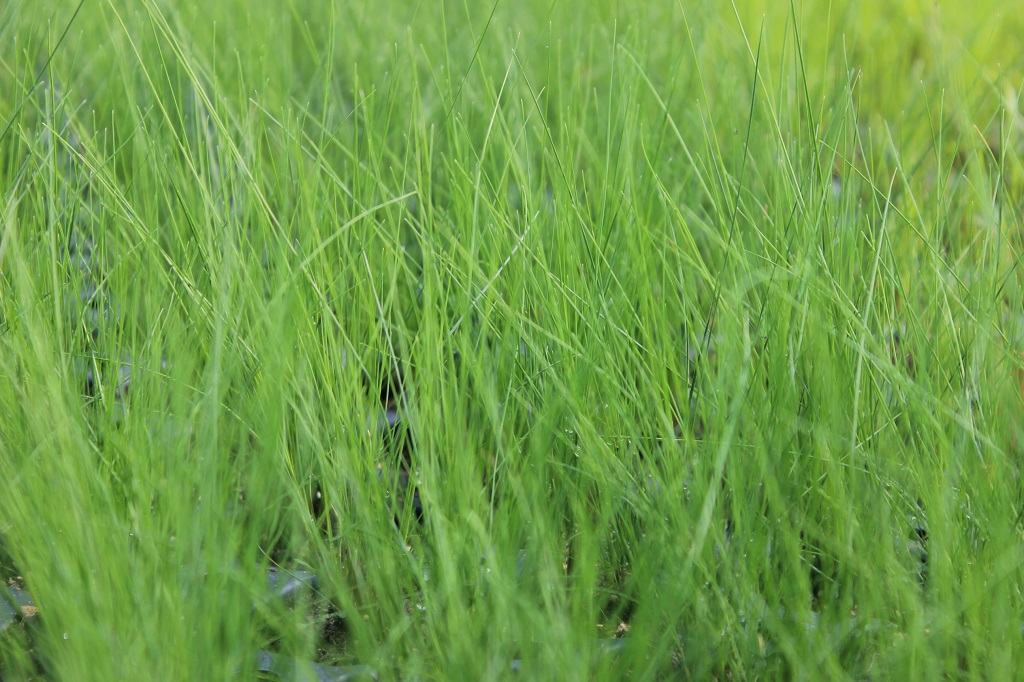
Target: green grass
<point>704,325</point>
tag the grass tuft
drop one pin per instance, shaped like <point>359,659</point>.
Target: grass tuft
<point>439,341</point>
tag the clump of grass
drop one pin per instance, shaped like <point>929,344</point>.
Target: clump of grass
<point>549,338</point>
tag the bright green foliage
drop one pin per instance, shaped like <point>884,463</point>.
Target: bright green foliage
<point>706,325</point>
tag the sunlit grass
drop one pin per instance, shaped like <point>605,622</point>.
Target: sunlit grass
<point>701,328</point>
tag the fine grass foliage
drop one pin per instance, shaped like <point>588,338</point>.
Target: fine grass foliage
<point>584,340</point>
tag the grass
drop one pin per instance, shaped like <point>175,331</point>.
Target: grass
<point>701,328</point>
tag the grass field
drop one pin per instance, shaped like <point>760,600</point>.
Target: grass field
<point>549,340</point>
